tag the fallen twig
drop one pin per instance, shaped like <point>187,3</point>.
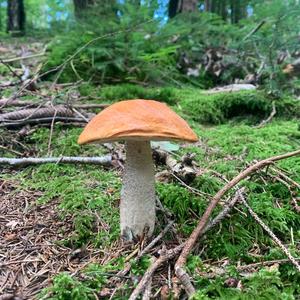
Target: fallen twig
<point>250,268</point>
<point>35,113</point>
<point>23,162</point>
<point>143,283</point>
<point>198,231</point>
<point>8,60</point>
<point>155,241</point>
<point>165,256</point>
<point>16,103</point>
<point>270,117</point>
<point>21,103</point>
<point>254,30</point>
<point>271,234</point>
<point>42,120</point>
<point>147,292</point>
<point>10,69</point>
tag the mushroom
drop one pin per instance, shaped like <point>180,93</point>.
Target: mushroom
<point>137,122</point>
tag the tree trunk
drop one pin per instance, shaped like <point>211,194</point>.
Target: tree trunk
<point>94,7</point>
<point>207,5</point>
<point>173,8</point>
<point>15,16</point>
<point>181,6</point>
<point>223,10</point>
<point>189,5</point>
<point>238,10</point>
<point>80,7</point>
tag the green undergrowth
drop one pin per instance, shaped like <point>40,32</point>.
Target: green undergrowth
<point>119,92</point>
<point>265,284</point>
<point>204,108</point>
<point>249,106</point>
<point>88,193</point>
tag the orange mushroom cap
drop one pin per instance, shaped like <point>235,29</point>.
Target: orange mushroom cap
<point>137,120</point>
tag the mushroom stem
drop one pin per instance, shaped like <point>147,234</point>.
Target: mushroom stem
<point>137,208</point>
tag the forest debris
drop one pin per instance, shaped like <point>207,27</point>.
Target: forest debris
<point>186,169</point>
<point>271,234</point>
<point>32,252</point>
<point>155,240</point>
<point>13,59</point>
<point>6,102</point>
<point>23,162</point>
<point>12,102</point>
<point>40,114</point>
<point>198,231</point>
<point>293,69</point>
<point>165,255</point>
<point>35,113</point>
<point>236,87</point>
<point>69,120</point>
<point>270,117</point>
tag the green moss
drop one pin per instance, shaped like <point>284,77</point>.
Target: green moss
<point>119,92</point>
<point>63,142</point>
<point>252,106</point>
<point>244,106</point>
<point>83,192</point>
<point>266,284</point>
<point>86,191</point>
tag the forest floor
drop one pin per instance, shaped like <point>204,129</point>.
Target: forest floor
<point>59,223</point>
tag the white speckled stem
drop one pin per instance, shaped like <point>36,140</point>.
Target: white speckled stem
<point>137,208</point>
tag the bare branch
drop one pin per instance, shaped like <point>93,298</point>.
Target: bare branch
<point>23,162</point>
<point>271,234</point>
<point>198,231</point>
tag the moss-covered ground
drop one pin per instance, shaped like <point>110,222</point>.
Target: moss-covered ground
<point>229,140</point>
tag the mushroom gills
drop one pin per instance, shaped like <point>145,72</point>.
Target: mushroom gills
<point>137,207</point>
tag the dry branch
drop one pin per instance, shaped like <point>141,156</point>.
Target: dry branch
<point>9,60</point>
<point>16,103</point>
<point>165,256</point>
<point>271,234</point>
<point>148,275</point>
<point>270,117</point>
<point>23,162</point>
<point>49,120</point>
<point>155,241</point>
<point>198,231</point>
<point>36,113</point>
<point>21,103</point>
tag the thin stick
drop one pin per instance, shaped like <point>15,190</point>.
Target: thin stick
<point>154,241</point>
<point>20,103</point>
<point>165,256</point>
<point>271,234</point>
<point>147,292</point>
<point>42,120</point>
<point>143,283</point>
<point>10,69</point>
<point>253,31</point>
<point>270,117</point>
<point>22,162</point>
<point>51,132</point>
<point>198,231</point>
<point>265,263</point>
<point>8,60</point>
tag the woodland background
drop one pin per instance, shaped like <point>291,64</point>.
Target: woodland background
<point>230,68</point>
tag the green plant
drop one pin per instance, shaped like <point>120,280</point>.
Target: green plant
<point>217,108</point>
<point>66,287</point>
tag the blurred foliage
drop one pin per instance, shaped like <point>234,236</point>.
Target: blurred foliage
<point>136,43</point>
